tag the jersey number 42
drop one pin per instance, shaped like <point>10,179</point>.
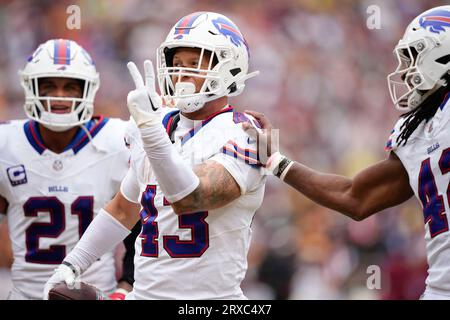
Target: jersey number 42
<point>433,202</point>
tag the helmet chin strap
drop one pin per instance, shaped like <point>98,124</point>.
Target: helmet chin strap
<point>192,104</point>
<point>416,98</point>
<point>58,122</point>
<point>189,104</point>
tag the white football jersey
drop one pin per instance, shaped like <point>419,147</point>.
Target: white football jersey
<point>200,255</point>
<point>426,158</point>
<point>53,197</point>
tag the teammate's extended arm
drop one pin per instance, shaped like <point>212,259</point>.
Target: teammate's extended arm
<point>380,186</point>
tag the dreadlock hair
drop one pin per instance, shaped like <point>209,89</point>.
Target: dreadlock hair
<point>425,111</point>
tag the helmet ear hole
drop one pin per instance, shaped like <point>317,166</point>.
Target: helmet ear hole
<point>443,60</point>
<point>235,71</point>
<point>232,88</point>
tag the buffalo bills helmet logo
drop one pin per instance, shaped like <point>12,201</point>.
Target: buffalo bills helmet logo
<point>228,29</point>
<point>38,50</point>
<point>185,25</point>
<point>436,20</point>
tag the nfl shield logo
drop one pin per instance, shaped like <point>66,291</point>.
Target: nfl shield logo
<point>57,165</point>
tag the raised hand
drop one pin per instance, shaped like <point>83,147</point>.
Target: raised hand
<point>266,137</point>
<point>268,146</point>
<point>144,103</point>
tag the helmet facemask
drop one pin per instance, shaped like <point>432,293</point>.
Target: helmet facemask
<point>408,84</point>
<point>59,58</point>
<point>39,107</point>
<point>183,95</point>
<point>423,56</point>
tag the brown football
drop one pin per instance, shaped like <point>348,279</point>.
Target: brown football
<point>82,291</point>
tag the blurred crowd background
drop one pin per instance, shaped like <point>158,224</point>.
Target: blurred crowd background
<point>322,82</point>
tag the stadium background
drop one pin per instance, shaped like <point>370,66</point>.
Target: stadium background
<point>322,82</point>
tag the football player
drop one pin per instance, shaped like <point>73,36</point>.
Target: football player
<point>58,168</point>
<point>195,181</point>
<point>419,148</point>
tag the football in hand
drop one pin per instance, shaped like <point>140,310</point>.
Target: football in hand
<point>81,291</point>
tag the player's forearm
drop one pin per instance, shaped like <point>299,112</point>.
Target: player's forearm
<point>329,190</point>
<point>101,236</point>
<point>124,211</point>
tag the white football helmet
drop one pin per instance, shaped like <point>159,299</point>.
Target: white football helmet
<point>228,65</point>
<point>423,59</point>
<point>66,59</point>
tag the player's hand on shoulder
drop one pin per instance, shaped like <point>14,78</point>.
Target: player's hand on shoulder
<point>266,136</point>
<point>144,103</point>
<point>65,272</point>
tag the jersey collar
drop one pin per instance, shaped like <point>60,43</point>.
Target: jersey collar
<point>78,142</point>
<point>203,123</point>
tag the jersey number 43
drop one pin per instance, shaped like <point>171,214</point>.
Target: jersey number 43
<point>175,247</point>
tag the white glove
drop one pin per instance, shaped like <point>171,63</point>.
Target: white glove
<point>64,273</point>
<point>144,103</point>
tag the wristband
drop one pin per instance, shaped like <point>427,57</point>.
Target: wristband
<point>285,171</point>
<point>279,164</point>
<point>284,163</point>
<point>72,267</point>
<point>273,162</point>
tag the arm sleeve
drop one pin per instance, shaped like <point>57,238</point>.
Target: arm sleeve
<point>240,159</point>
<point>102,235</point>
<point>128,259</point>
<point>175,177</point>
